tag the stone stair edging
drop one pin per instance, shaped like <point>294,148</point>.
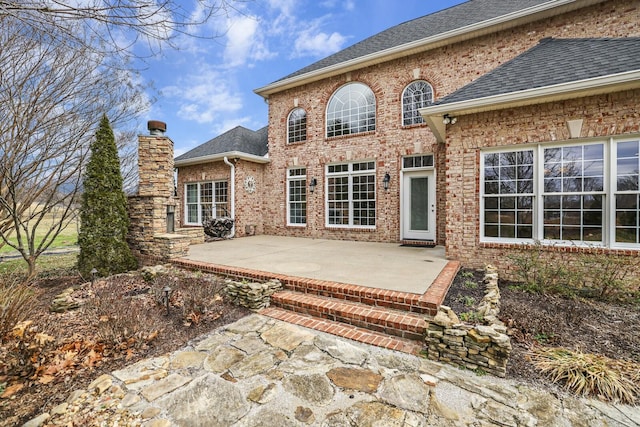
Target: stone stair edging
<point>482,346</point>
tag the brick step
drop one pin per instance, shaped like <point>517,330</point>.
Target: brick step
<point>346,331</point>
<point>383,298</point>
<point>378,319</point>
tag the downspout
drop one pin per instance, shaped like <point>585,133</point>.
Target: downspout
<point>233,196</point>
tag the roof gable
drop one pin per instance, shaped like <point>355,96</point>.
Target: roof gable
<point>238,139</point>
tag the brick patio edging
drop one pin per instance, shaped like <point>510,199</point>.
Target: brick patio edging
<point>426,303</point>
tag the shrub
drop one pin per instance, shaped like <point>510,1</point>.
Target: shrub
<point>122,322</point>
<point>536,273</point>
<point>589,273</point>
<point>590,374</point>
<point>198,298</point>
<point>104,222</point>
<point>16,298</point>
<point>608,276</point>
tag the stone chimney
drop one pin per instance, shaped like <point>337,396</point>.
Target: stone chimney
<point>155,162</point>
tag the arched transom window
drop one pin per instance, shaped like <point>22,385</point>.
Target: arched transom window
<point>297,126</point>
<point>351,109</point>
<point>417,95</point>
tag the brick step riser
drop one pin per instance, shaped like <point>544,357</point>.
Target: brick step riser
<point>369,296</point>
<point>374,322</point>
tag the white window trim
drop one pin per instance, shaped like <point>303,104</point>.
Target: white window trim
<point>404,91</point>
<point>199,204</point>
<point>608,194</point>
<point>326,112</point>
<point>289,129</point>
<point>350,174</point>
<point>296,178</point>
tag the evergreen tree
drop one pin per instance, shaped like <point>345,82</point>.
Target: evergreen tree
<point>104,222</point>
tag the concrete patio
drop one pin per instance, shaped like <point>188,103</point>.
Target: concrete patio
<point>378,265</point>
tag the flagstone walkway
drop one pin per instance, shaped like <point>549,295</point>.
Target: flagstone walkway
<point>260,371</point>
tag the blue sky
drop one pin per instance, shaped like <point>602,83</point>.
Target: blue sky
<point>206,87</point>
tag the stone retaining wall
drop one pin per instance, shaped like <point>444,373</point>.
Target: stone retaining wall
<point>252,295</point>
<point>483,346</point>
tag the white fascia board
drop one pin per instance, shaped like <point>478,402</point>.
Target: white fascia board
<point>220,157</point>
<point>433,115</point>
<point>412,47</point>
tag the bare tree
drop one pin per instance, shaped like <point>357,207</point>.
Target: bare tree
<point>117,25</point>
<point>51,97</point>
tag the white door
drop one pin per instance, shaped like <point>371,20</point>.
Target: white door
<point>419,205</point>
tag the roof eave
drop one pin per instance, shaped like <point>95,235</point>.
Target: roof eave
<point>220,157</point>
<point>433,115</point>
<point>464,33</point>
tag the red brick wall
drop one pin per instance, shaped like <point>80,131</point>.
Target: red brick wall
<point>248,209</point>
<point>447,69</point>
<point>604,116</point>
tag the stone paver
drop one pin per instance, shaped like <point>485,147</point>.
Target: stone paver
<point>263,372</point>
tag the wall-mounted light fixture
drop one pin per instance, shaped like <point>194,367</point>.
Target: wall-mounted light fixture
<point>386,180</point>
<point>312,185</point>
<point>447,119</point>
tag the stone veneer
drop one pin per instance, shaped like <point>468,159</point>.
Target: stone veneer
<point>482,346</point>
<point>148,209</point>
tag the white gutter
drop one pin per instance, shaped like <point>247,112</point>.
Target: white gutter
<point>233,196</point>
<point>220,157</point>
<point>441,39</point>
<point>587,87</point>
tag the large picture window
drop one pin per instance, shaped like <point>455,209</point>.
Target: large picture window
<point>351,195</point>
<point>562,194</point>
<point>351,110</point>
<point>206,200</point>
<point>297,196</point>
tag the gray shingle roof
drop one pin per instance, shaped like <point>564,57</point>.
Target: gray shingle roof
<point>553,62</point>
<point>468,13</point>
<point>238,139</point>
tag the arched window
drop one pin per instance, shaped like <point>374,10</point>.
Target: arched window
<point>351,109</point>
<point>297,126</point>
<point>417,95</point>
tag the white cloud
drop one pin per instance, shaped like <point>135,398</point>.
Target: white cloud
<point>245,42</point>
<point>203,95</point>
<point>312,42</point>
<point>346,5</point>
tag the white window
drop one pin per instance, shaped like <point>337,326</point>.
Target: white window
<point>417,95</point>
<point>627,193</point>
<point>562,194</point>
<point>206,200</point>
<point>351,195</point>
<point>297,126</point>
<point>351,110</point>
<point>508,194</point>
<point>297,197</point>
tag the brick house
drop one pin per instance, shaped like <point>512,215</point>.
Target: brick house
<point>480,127</point>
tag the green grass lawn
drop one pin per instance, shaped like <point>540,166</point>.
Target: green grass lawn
<point>46,264</point>
<point>67,237</point>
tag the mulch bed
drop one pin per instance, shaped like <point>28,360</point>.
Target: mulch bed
<point>591,326</point>
<point>85,347</point>
<point>87,343</point>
